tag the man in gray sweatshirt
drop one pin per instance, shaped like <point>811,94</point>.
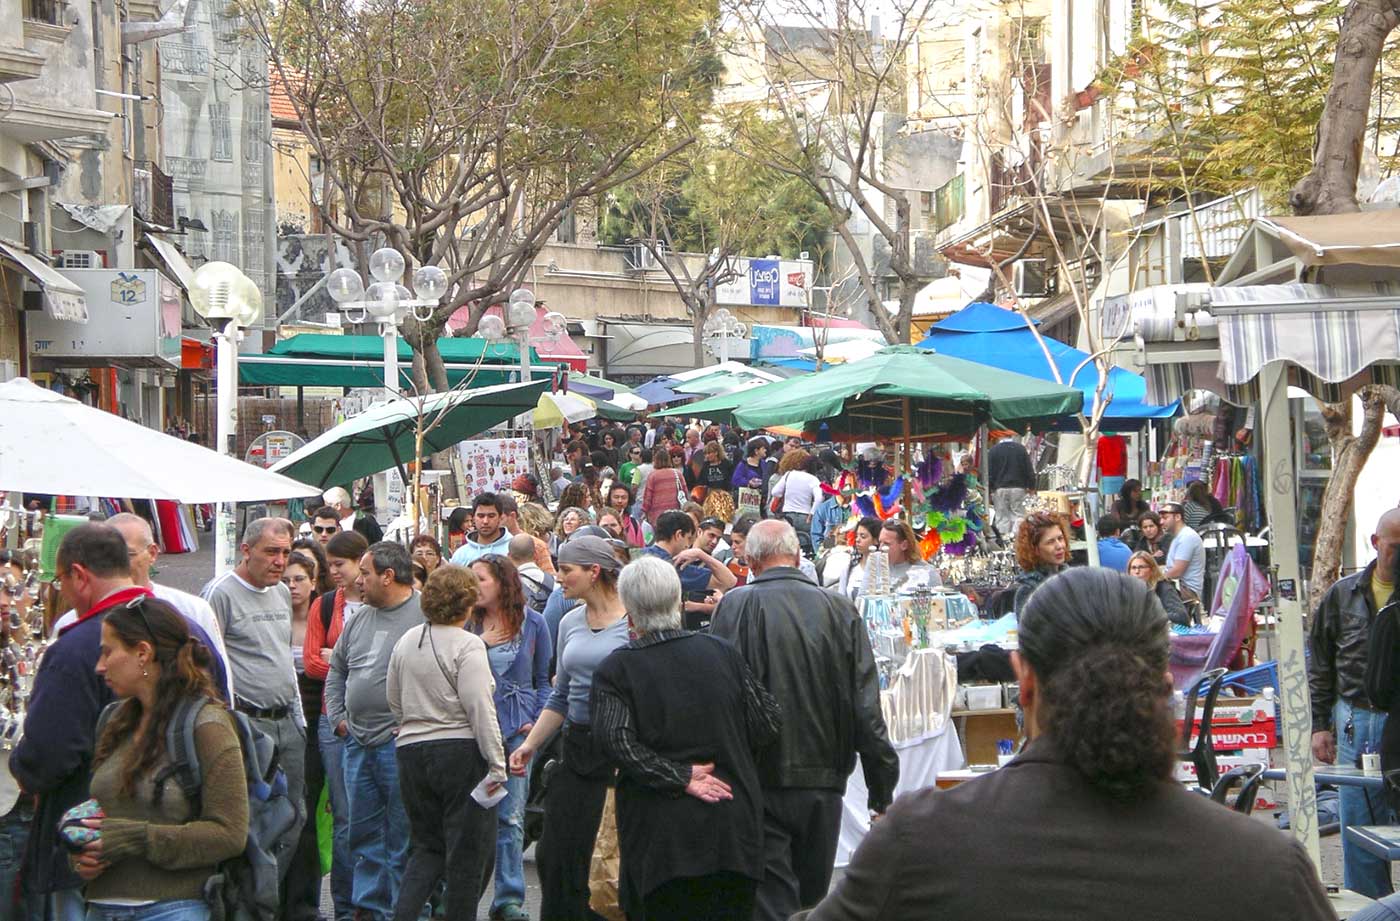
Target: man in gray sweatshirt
<point>357,705</point>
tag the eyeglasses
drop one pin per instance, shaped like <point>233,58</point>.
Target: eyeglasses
<point>325,530</point>
<point>138,604</point>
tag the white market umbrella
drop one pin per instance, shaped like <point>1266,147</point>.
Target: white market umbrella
<point>850,350</point>
<point>54,444</point>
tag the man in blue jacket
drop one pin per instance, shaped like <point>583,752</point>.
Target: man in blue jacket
<point>53,759</point>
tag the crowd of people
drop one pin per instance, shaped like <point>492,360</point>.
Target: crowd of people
<point>661,634</point>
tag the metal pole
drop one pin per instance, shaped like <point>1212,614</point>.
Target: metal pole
<point>390,331</point>
<point>525,355</point>
<point>724,347</point>
<point>226,434</point>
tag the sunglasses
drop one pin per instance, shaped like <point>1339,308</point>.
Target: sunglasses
<point>325,530</point>
<point>138,604</point>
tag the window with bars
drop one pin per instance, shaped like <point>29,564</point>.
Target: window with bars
<point>220,131</point>
<point>226,237</point>
<point>226,24</point>
<point>253,239</point>
<point>254,127</point>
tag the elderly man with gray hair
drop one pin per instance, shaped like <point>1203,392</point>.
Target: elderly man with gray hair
<point>351,518</point>
<point>682,717</point>
<point>809,648</point>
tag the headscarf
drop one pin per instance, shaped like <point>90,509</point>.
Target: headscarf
<point>589,550</point>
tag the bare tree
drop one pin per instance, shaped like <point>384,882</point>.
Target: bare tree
<point>464,133</point>
<point>835,81</point>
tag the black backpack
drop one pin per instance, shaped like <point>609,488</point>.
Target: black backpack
<point>243,888</point>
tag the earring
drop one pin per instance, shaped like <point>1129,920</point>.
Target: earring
<point>144,673</point>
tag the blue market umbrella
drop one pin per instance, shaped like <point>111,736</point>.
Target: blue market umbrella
<point>995,337</point>
<point>657,392</point>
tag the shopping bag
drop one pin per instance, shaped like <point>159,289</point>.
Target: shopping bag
<point>325,829</point>
<point>604,869</point>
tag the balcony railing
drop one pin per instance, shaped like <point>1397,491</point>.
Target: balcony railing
<point>184,58</point>
<point>187,168</point>
<point>48,11</point>
<point>949,203</point>
<point>154,194</point>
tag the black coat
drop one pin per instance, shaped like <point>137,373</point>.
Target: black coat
<point>664,703</point>
<point>1035,842</point>
<point>809,648</point>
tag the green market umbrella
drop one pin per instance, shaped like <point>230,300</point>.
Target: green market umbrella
<point>906,392</point>
<point>383,436</point>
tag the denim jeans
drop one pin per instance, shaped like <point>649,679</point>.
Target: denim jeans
<point>510,837</point>
<point>452,836</point>
<point>1361,872</point>
<point>342,868</point>
<point>378,827</point>
<point>67,905</point>
<point>169,910</point>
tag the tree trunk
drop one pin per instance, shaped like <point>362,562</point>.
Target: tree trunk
<point>1349,455</point>
<point>422,338</point>
<point>1330,188</point>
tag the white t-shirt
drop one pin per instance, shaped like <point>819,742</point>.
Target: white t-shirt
<point>193,607</point>
<point>801,492</point>
<point>1187,545</point>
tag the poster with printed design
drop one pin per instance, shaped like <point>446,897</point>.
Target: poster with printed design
<point>492,464</point>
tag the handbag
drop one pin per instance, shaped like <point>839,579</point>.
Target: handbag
<point>775,504</point>
<point>681,499</point>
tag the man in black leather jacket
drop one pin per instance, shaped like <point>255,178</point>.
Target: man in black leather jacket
<point>809,648</point>
<point>1343,717</point>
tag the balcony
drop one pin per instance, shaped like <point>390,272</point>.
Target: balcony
<point>19,64</point>
<point>949,203</point>
<point>46,20</point>
<point>154,194</point>
<point>187,170</point>
<point>184,59</point>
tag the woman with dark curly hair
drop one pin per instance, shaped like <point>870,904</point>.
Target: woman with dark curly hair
<point>154,852</point>
<point>578,495</point>
<point>519,649</point>
<point>1042,546</point>
<point>1091,796</point>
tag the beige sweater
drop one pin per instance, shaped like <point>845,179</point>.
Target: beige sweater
<point>429,708</point>
<point>161,851</point>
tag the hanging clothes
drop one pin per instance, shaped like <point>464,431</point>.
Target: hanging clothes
<point>1235,479</point>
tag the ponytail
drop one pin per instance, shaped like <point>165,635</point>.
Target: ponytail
<point>1097,642</point>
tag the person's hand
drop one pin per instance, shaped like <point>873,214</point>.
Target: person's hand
<point>520,759</point>
<point>1324,746</point>
<point>875,816</point>
<point>688,555</point>
<point>714,597</point>
<point>525,729</point>
<point>326,653</point>
<point>88,863</point>
<point>342,729</point>
<point>492,785</point>
<point>705,786</point>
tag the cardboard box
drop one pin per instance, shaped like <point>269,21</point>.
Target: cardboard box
<point>1239,723</point>
<point>1268,797</point>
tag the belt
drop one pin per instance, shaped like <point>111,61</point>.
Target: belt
<point>263,713</point>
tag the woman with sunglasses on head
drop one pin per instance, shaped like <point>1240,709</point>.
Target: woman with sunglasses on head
<point>518,649</point>
<point>155,850</point>
<point>578,786</point>
<point>627,470</point>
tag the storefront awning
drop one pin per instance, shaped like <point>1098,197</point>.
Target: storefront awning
<point>1365,238</point>
<point>63,299</point>
<point>174,260</point>
<point>294,371</point>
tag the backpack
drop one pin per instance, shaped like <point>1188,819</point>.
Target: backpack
<point>537,593</point>
<point>243,888</point>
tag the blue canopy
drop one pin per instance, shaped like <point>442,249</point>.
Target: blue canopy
<point>998,338</point>
<point>657,392</point>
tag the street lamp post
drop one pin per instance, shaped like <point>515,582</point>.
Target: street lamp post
<point>720,328</point>
<point>519,318</point>
<point>222,294</point>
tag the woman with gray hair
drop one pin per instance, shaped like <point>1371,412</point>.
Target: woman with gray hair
<point>682,717</point>
<point>578,786</point>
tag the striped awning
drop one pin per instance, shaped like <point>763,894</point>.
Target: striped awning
<point>1331,336</point>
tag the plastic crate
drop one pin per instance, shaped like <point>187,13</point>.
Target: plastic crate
<point>55,526</point>
<point>1253,680</point>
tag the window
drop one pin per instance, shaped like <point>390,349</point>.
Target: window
<point>253,239</point>
<point>226,237</point>
<point>1030,41</point>
<point>220,132</point>
<point>254,131</point>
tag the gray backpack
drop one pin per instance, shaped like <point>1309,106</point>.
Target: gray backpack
<point>243,888</point>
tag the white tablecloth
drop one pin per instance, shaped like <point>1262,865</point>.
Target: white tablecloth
<point>920,760</point>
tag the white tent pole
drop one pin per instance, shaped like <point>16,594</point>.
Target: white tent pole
<point>226,434</point>
<point>1279,479</point>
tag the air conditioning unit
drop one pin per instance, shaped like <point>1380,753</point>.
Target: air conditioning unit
<point>1028,278</point>
<point>9,370</point>
<point>81,259</point>
<point>642,259</point>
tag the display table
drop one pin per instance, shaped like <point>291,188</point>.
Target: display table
<point>920,762</point>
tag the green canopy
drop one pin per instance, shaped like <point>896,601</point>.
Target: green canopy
<point>382,437</point>
<point>460,349</point>
<point>296,371</point>
<point>721,408</point>
<point>904,391</point>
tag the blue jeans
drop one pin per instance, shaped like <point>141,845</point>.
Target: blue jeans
<point>67,905</point>
<point>342,868</point>
<point>510,837</point>
<point>378,827</point>
<point>169,910</point>
<point>1387,909</point>
<point>1361,872</point>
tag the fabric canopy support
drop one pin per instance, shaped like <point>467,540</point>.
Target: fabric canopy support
<point>63,299</point>
<point>946,396</point>
<point>997,338</point>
